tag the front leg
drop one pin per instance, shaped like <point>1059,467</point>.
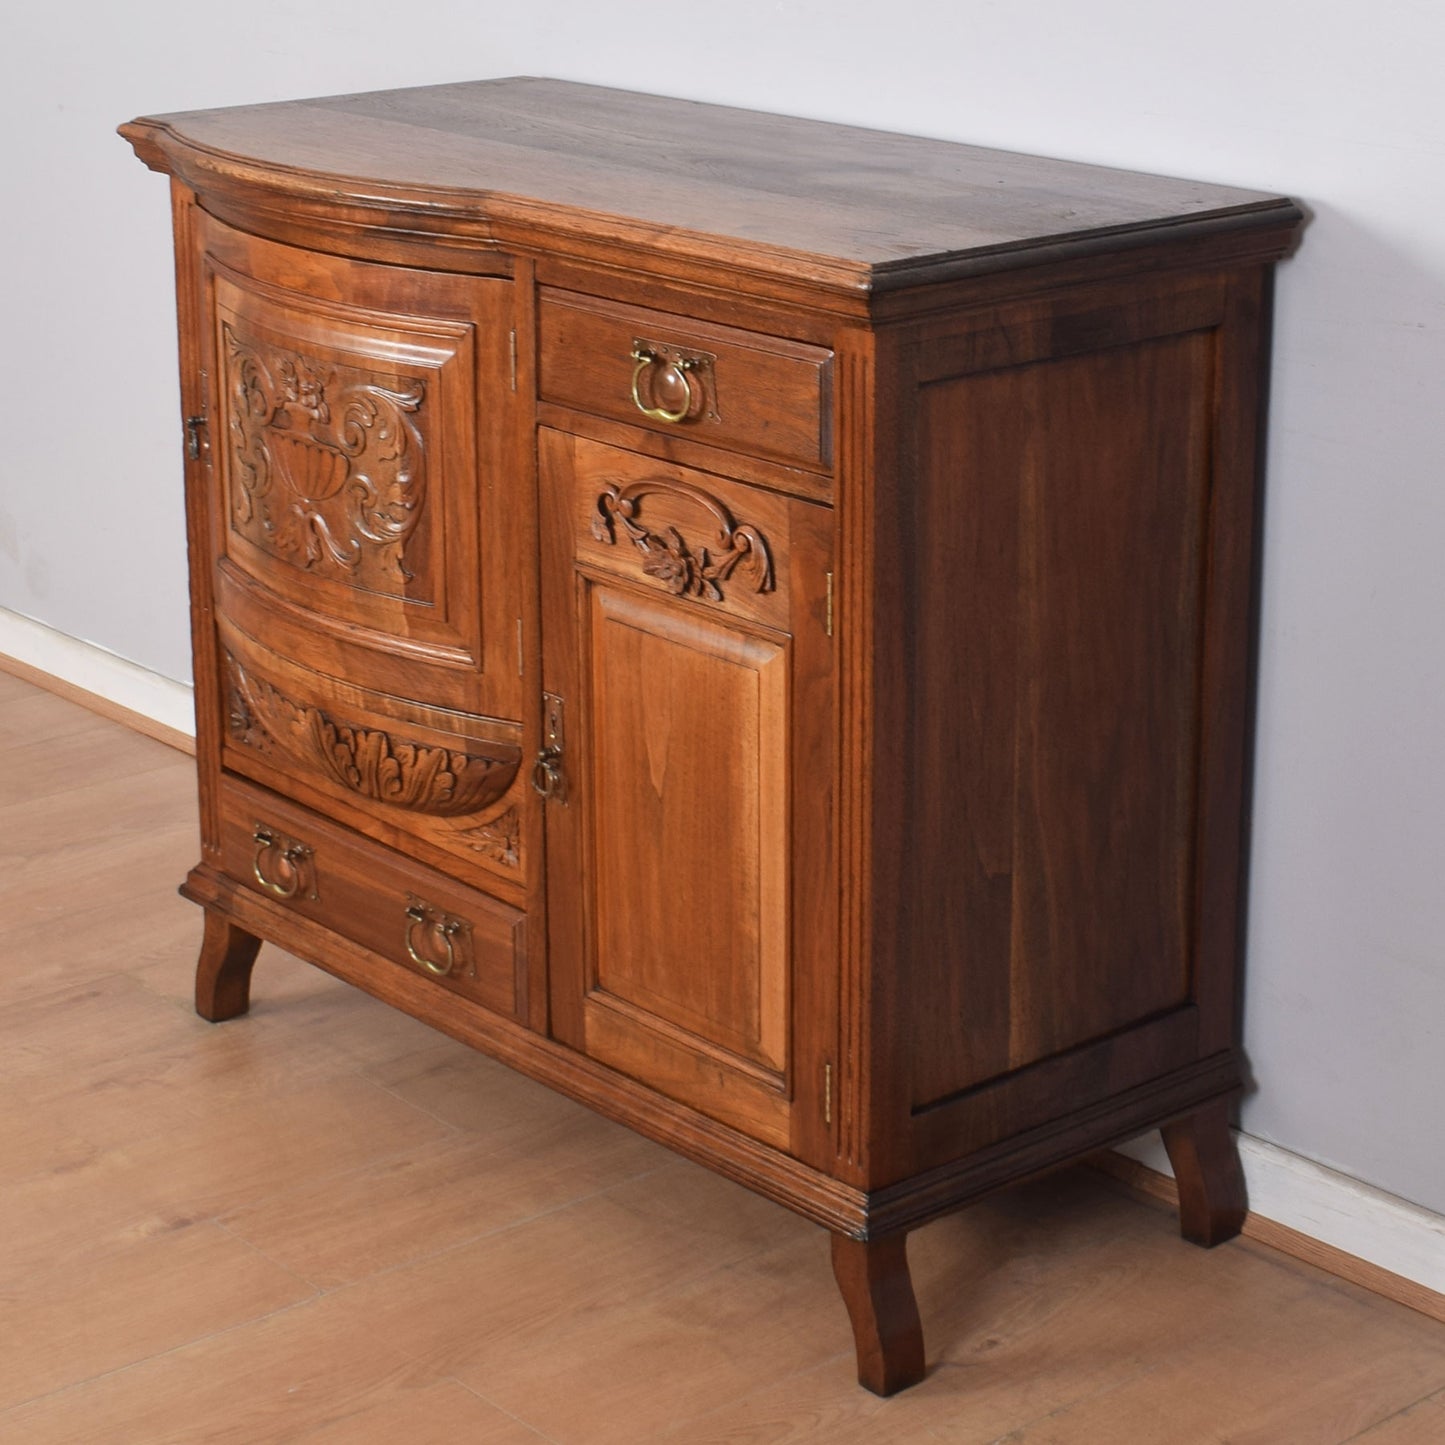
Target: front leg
<point>223,974</point>
<point>1212,1198</point>
<point>876,1287</point>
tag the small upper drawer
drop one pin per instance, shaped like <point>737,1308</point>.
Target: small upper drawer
<point>737,389</point>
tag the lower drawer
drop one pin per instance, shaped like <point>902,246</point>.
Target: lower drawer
<point>423,921</point>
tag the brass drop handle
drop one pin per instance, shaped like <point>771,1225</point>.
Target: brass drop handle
<point>291,862</point>
<point>445,929</point>
<point>683,368</point>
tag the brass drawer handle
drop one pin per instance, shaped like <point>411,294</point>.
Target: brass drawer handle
<point>680,371</point>
<point>424,922</point>
<point>291,872</point>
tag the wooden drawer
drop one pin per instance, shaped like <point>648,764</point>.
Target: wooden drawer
<point>459,938</point>
<point>762,395</point>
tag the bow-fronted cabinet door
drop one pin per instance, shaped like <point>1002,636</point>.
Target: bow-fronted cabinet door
<point>363,549</point>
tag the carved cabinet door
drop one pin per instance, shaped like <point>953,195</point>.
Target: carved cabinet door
<point>358,421</point>
<point>367,541</point>
<point>690,776</point>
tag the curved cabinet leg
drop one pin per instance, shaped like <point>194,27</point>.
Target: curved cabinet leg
<point>223,974</point>
<point>873,1277</point>
<point>1212,1199</point>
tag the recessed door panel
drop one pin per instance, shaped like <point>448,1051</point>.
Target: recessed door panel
<point>688,739</point>
<point>335,423</point>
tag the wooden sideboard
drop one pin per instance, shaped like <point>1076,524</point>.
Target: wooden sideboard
<point>747,621</point>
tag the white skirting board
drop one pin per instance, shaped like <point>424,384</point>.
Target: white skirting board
<point>94,670</point>
<point>1290,1190</point>
<point>1330,1207</point>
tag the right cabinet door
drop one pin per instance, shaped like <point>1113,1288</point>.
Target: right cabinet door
<point>692,898</point>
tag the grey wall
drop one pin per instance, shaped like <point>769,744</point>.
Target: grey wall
<point>1339,104</point>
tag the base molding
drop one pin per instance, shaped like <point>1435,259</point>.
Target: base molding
<point>1382,1230</point>
<point>99,680</point>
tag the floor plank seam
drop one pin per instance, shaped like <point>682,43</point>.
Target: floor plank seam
<point>1067,1406</point>
<point>1433,1394</point>
<point>502,1409</point>
<point>317,1292</point>
<point>843,1357</point>
<point>418,1260</point>
<point>175,1349</point>
<point>49,795</point>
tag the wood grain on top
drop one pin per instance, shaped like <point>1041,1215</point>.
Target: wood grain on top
<point>876,202</point>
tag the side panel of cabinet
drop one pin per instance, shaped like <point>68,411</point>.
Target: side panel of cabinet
<point>695,676</point>
<point>1063,663</point>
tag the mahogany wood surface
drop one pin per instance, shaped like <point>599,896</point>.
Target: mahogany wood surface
<point>377,898</point>
<point>1059,513</point>
<point>1212,1197</point>
<point>873,1278</point>
<point>223,974</point>
<point>691,650</point>
<point>746,620</point>
<point>757,394</point>
<point>801,198</point>
<point>358,427</point>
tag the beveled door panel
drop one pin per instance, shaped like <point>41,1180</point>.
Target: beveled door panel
<point>688,740</point>
<point>333,426</point>
<point>359,417</point>
<point>687,639</point>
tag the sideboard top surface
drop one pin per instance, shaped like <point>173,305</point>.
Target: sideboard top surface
<point>877,210</point>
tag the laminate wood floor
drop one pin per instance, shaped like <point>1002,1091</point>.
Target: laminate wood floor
<point>324,1223</point>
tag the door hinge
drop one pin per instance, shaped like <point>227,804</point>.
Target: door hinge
<point>513,347</point>
<point>830,605</point>
<point>828,1094</point>
<point>193,437</point>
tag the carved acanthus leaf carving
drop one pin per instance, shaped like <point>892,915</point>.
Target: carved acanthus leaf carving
<point>327,461</point>
<point>241,723</point>
<point>421,777</point>
<point>500,839</point>
<point>685,570</point>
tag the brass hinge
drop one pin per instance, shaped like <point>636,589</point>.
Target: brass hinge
<point>513,344</point>
<point>521,651</point>
<point>828,1094</point>
<point>830,604</point>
